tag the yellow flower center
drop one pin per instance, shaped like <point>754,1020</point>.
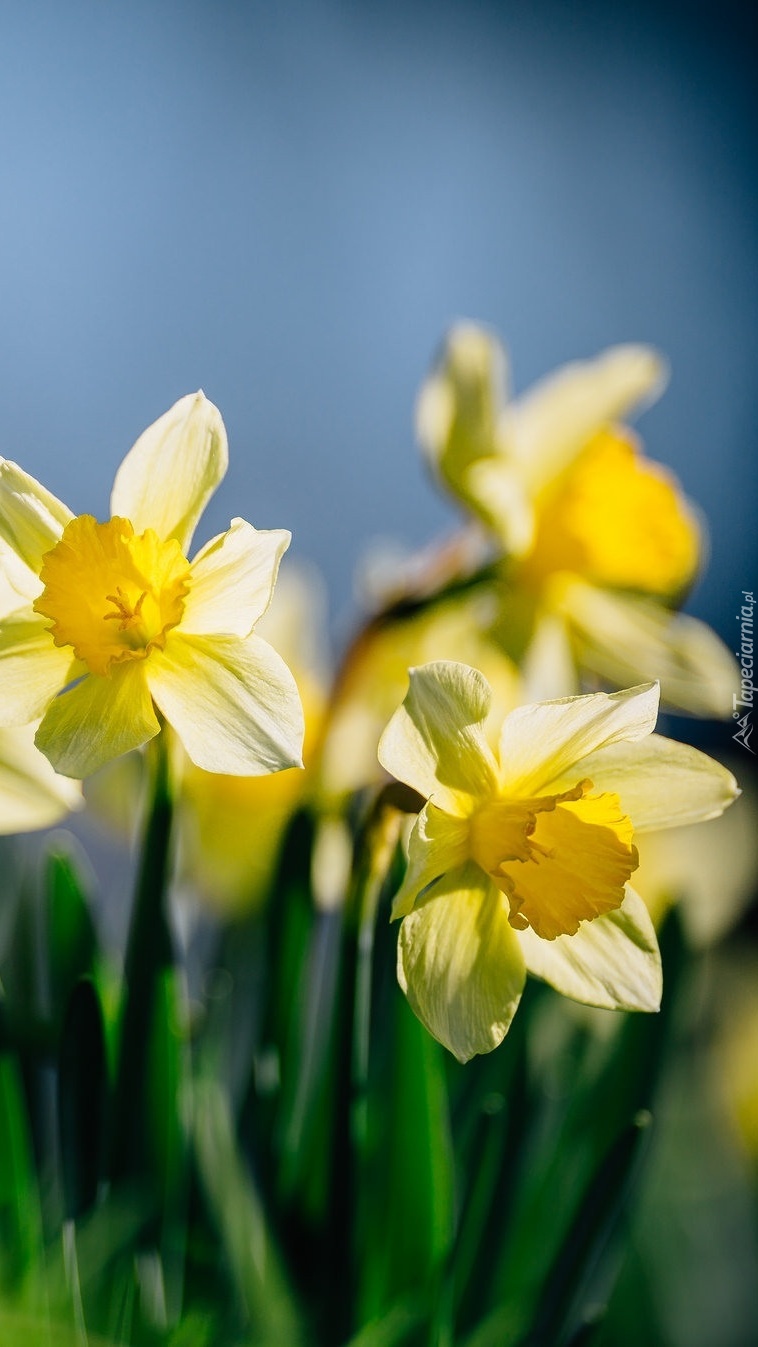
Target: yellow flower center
<point>559,859</point>
<point>616,519</point>
<point>110,594</point>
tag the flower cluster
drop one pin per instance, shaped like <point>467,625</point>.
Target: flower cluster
<point>577,551</point>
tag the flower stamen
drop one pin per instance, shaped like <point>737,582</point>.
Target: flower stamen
<point>125,614</point>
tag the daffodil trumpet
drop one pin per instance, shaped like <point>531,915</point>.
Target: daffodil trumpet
<point>114,626</point>
<point>521,859</point>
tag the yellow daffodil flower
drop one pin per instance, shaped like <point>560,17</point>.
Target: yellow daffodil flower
<point>521,859</point>
<point>32,795</point>
<point>116,622</point>
<point>600,540</point>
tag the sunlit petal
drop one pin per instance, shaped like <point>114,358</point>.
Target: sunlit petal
<point>435,741</point>
<point>233,703</point>
<point>460,964</point>
<point>662,783</point>
<point>539,743</point>
<point>169,475</point>
<point>232,580</point>
<point>437,844</point>
<point>32,669</point>
<point>32,519</point>
<point>97,719</point>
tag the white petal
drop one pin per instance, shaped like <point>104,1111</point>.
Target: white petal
<point>625,639</point>
<point>547,427</point>
<point>32,795</point>
<point>167,478</point>
<point>613,962</point>
<point>460,963</point>
<point>32,668</point>
<point>438,843</point>
<point>661,783</point>
<point>540,743</point>
<point>435,741</point>
<point>232,580</point>
<point>31,518</point>
<point>233,703</point>
<point>97,720</point>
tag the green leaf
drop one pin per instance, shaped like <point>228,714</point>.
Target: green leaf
<point>82,1094</point>
<point>578,1279</point>
<point>71,939</point>
<point>594,1078</point>
<point>257,1276</point>
<point>407,1223</point>
<point>20,1221</point>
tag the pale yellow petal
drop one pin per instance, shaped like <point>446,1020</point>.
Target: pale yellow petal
<point>32,519</point>
<point>711,867</point>
<point>32,668</point>
<point>98,719</point>
<point>624,639</point>
<point>435,741</point>
<point>32,795</point>
<point>232,580</point>
<point>18,584</point>
<point>438,843</point>
<point>661,783</point>
<point>167,478</point>
<point>460,964</point>
<point>459,405</point>
<point>546,427</point>
<point>612,962</point>
<point>549,668</point>
<point>233,703</point>
<point>540,743</point>
<point>497,491</point>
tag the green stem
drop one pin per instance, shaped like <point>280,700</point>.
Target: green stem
<point>375,848</point>
<point>149,951</point>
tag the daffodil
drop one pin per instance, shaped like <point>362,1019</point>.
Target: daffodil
<point>32,795</point>
<point>115,625</point>
<point>521,858</point>
<point>600,541</point>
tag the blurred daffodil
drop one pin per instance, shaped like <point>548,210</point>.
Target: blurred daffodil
<point>520,860</point>
<point>32,795</point>
<point>601,543</point>
<point>116,622</point>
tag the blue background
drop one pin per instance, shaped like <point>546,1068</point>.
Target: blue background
<point>287,204</point>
